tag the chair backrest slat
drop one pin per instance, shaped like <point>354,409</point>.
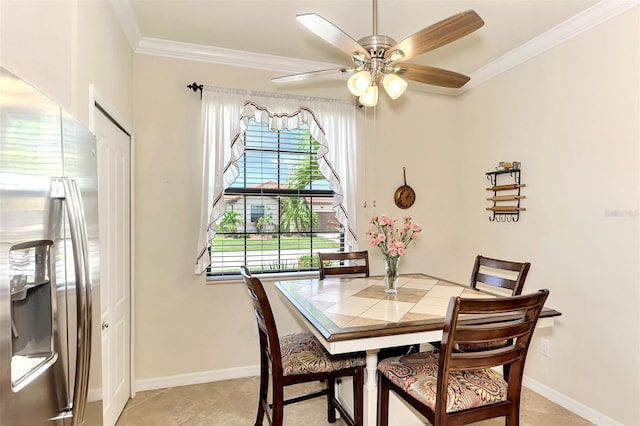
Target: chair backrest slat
<point>475,360</point>
<point>491,332</point>
<point>488,271</point>
<point>344,263</point>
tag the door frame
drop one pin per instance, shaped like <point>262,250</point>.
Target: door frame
<point>96,100</point>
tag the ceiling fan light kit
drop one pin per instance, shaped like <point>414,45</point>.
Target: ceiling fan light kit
<point>370,97</point>
<point>359,83</point>
<point>379,59</point>
<point>394,85</point>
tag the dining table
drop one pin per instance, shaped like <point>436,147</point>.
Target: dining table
<point>353,314</point>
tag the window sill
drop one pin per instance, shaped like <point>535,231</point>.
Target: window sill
<point>233,279</point>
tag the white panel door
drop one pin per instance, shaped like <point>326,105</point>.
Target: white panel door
<point>114,180</point>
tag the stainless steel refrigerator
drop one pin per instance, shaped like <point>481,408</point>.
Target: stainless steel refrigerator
<point>49,259</point>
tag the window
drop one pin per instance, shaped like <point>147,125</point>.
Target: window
<point>256,213</point>
<point>279,210</point>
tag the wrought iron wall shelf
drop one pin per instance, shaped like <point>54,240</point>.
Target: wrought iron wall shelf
<point>510,193</point>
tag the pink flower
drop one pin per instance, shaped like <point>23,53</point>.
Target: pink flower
<point>392,240</point>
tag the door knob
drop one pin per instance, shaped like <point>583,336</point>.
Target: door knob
<point>105,325</point>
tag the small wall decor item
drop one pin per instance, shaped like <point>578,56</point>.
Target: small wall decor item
<point>404,196</point>
<point>509,192</point>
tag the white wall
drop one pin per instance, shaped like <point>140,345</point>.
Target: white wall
<point>571,116</point>
<point>61,47</point>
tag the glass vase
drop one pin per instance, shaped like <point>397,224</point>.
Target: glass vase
<point>391,274</point>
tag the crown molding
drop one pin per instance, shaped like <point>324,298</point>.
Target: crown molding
<point>589,18</point>
<point>219,55</point>
<point>128,22</point>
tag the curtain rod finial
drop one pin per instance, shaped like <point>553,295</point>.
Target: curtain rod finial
<point>195,87</point>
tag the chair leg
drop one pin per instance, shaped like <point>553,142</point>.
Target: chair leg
<point>331,394</point>
<point>513,418</point>
<point>264,386</point>
<point>277,410</point>
<point>383,401</point>
<point>358,396</point>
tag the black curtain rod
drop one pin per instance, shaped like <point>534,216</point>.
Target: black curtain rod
<point>195,87</point>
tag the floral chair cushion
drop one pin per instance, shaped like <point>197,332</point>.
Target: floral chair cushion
<point>302,353</point>
<point>417,374</point>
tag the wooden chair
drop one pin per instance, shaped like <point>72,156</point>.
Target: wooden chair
<point>453,387</point>
<point>494,277</point>
<point>498,273</point>
<point>353,262</point>
<point>298,358</point>
<point>503,274</point>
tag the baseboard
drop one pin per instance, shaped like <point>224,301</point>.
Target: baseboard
<point>94,395</point>
<point>572,405</point>
<point>185,380</point>
<point>197,378</point>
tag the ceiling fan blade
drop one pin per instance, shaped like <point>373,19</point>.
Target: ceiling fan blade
<point>332,34</point>
<point>332,72</point>
<point>432,75</point>
<point>438,34</point>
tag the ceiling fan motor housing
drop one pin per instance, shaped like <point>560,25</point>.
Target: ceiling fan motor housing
<point>376,45</point>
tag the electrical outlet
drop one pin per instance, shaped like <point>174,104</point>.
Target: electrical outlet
<point>545,347</point>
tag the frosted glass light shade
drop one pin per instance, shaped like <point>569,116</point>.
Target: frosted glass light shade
<point>394,85</point>
<point>359,82</point>
<point>370,97</point>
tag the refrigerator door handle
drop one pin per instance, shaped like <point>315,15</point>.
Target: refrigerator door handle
<point>79,242</point>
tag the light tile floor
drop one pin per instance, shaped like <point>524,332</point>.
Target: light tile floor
<point>233,403</point>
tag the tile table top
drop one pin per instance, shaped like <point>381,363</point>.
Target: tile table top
<point>350,304</point>
<point>347,307</point>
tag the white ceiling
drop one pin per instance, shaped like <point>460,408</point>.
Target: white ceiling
<point>269,26</point>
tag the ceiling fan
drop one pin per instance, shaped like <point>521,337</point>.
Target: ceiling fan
<point>379,59</point>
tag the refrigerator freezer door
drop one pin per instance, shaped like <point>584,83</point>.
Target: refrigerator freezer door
<point>30,154</point>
